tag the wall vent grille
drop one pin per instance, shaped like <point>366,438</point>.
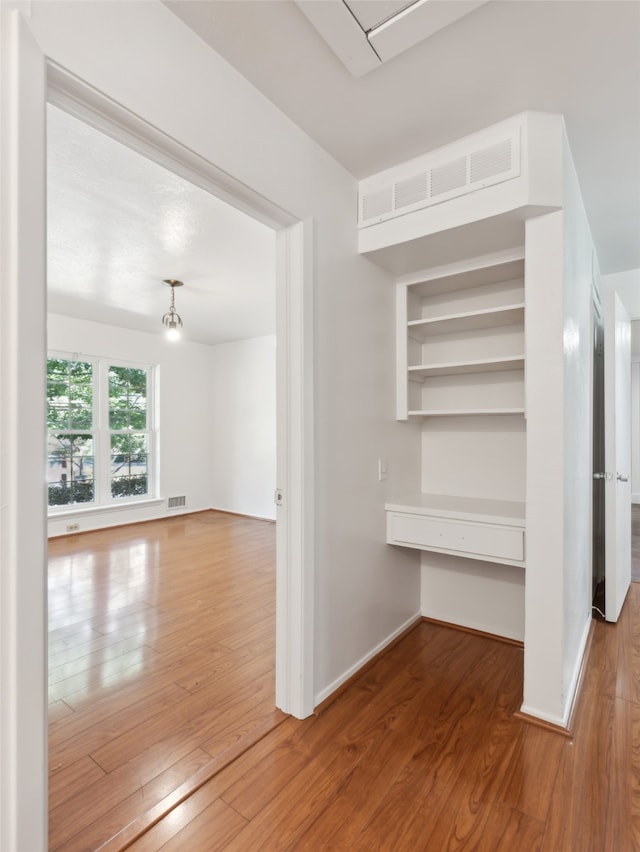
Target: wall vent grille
<point>489,162</point>
<point>377,204</point>
<point>176,502</point>
<point>449,177</point>
<point>465,166</point>
<point>411,191</point>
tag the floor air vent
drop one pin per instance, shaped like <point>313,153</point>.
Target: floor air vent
<point>465,166</point>
<point>176,502</point>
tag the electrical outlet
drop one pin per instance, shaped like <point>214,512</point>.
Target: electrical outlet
<point>73,527</point>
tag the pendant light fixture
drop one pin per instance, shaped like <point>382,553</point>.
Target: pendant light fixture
<point>172,320</point>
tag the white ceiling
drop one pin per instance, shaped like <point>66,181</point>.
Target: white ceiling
<point>365,33</point>
<point>580,58</point>
<point>371,14</point>
<point>118,224</point>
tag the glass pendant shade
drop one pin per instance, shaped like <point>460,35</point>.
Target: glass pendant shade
<point>172,320</point>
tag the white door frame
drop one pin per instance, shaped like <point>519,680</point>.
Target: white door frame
<point>617,443</point>
<point>23,610</point>
<point>23,752</point>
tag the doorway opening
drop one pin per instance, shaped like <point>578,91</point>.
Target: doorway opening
<point>31,79</point>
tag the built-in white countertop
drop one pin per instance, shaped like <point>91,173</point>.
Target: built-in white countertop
<point>479,509</point>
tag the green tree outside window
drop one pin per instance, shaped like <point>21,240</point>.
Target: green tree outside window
<point>127,420</point>
<point>70,451</point>
<point>79,425</point>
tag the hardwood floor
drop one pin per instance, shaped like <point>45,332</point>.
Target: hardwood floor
<point>422,752</point>
<point>161,664</point>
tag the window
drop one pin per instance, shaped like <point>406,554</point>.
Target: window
<point>99,431</point>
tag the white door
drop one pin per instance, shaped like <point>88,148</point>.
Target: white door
<point>617,437</point>
<point>23,761</point>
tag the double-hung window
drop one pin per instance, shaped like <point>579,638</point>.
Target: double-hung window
<point>100,431</point>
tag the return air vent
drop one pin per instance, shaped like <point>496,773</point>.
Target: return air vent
<point>376,204</point>
<point>471,164</point>
<point>489,162</point>
<point>411,191</point>
<point>449,177</point>
<point>176,502</point>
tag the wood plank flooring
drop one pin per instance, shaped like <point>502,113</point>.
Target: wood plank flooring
<point>161,664</point>
<point>423,753</point>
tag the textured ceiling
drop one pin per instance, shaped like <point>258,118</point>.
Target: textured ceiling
<point>580,58</point>
<point>118,224</point>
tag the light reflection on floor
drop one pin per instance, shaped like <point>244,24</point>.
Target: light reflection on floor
<point>105,601</point>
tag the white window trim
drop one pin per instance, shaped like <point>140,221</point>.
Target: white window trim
<point>79,510</point>
<point>101,437</point>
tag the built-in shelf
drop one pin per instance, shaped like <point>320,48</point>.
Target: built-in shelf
<point>471,527</point>
<point>515,362</point>
<point>502,266</point>
<point>513,314</point>
<point>461,338</point>
<point>464,412</point>
<point>453,506</point>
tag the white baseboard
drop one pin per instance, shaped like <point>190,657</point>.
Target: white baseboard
<point>270,517</point>
<point>471,624</point>
<point>329,690</point>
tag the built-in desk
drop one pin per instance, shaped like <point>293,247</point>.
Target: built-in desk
<point>476,528</point>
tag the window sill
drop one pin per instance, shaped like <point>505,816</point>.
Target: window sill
<point>107,507</point>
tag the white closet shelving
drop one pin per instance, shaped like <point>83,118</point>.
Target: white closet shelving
<point>461,354</point>
<point>461,338</point>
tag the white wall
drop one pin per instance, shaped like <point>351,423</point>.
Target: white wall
<point>243,427</point>
<point>545,467</point>
<point>559,447</point>
<point>480,456</point>
<point>365,590</point>
<point>627,286</point>
<point>580,269</point>
<point>184,408</point>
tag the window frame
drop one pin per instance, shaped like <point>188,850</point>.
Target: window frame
<point>86,430</point>
<point>102,432</point>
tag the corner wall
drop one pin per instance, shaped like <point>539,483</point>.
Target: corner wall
<point>580,271</point>
<point>558,283</point>
<point>243,426</point>
<point>543,641</point>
